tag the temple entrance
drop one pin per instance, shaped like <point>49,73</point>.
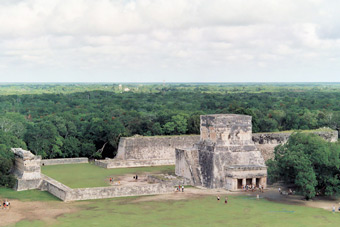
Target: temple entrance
<point>249,181</point>
<point>239,183</point>
<point>258,182</point>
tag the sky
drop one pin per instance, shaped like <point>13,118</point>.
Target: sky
<point>169,40</point>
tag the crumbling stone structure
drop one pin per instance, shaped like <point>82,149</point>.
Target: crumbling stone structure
<point>26,169</point>
<point>225,156</point>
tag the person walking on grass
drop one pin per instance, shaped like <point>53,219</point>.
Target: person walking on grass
<point>182,188</point>
<point>218,198</point>
<point>226,200</point>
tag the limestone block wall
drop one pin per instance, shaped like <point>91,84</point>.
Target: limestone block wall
<point>175,181</point>
<point>26,169</point>
<point>110,164</point>
<point>118,191</point>
<point>226,130</point>
<point>187,165</point>
<point>153,147</point>
<point>22,185</point>
<point>56,188</point>
<point>65,193</point>
<point>160,150</point>
<point>61,161</point>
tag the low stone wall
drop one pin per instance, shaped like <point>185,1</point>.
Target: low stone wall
<point>65,193</point>
<point>62,161</point>
<point>56,188</point>
<point>174,180</point>
<point>119,191</point>
<point>113,163</point>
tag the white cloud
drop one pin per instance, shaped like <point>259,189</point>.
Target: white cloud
<point>130,37</point>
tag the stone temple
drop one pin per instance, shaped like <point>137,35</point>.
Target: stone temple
<point>225,156</point>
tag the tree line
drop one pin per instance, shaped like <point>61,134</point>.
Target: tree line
<point>90,122</point>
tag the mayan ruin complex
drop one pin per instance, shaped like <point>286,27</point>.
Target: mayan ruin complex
<point>225,156</point>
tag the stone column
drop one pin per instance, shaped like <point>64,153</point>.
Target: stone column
<point>263,182</point>
<point>253,181</point>
<point>244,181</point>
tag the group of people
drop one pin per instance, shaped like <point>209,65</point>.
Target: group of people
<point>333,209</point>
<point>5,204</point>
<point>112,181</point>
<point>225,200</point>
<point>135,177</point>
<point>252,188</point>
<point>179,188</point>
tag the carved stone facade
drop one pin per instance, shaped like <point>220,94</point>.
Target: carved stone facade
<point>225,156</point>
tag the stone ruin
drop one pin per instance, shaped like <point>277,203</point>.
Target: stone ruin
<point>225,157</point>
<point>26,169</point>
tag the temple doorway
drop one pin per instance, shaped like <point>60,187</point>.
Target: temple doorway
<point>258,182</point>
<point>239,183</point>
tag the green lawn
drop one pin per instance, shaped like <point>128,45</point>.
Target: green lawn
<point>205,211</point>
<point>89,175</point>
<point>30,195</point>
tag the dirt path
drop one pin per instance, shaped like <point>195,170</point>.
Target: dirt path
<point>49,211</point>
<point>270,194</point>
<point>45,211</point>
<point>187,194</point>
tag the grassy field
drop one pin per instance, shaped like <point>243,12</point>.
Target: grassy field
<point>89,175</point>
<point>205,211</point>
<point>30,195</point>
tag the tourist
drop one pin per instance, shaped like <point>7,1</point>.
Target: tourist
<point>226,200</point>
<point>257,196</point>
<point>136,177</point>
<point>290,192</point>
<point>280,191</point>
<point>179,188</point>
<point>333,209</point>
<point>218,198</point>
<point>182,188</point>
<point>110,180</point>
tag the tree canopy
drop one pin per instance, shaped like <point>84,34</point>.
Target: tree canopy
<point>309,162</point>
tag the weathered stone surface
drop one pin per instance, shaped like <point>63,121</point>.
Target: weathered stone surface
<point>159,150</point>
<point>62,161</point>
<point>147,151</point>
<point>26,169</point>
<point>224,154</point>
<point>163,179</point>
<point>116,163</point>
<point>65,193</point>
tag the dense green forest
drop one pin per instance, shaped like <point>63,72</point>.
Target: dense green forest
<point>71,120</point>
<point>310,163</point>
